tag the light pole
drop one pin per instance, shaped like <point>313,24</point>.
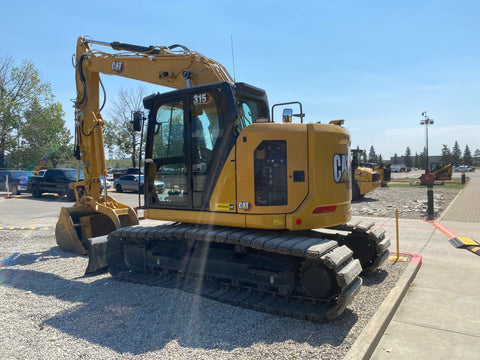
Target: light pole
<point>426,121</point>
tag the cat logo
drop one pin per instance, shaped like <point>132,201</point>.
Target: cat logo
<point>117,66</point>
<point>341,168</point>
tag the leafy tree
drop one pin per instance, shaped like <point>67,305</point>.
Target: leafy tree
<point>45,140</point>
<point>395,158</point>
<point>456,155</point>
<point>20,87</point>
<point>119,137</point>
<point>408,158</point>
<point>467,156</point>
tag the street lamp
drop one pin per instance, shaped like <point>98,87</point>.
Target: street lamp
<point>426,121</point>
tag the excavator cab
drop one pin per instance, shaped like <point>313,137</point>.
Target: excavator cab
<point>190,133</point>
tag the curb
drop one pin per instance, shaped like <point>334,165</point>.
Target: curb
<point>370,336</point>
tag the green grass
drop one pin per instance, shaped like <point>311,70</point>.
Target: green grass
<point>455,183</point>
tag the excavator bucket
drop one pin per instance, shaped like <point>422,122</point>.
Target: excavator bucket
<point>97,257</point>
<point>82,230</point>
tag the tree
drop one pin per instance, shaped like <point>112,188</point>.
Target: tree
<point>20,87</point>
<point>395,158</point>
<point>467,156</point>
<point>416,161</point>
<point>372,156</point>
<point>421,158</point>
<point>119,137</point>
<point>456,155</point>
<point>476,157</point>
<point>446,155</point>
<point>380,160</point>
<point>44,139</point>
<point>364,156</point>
<point>407,158</point>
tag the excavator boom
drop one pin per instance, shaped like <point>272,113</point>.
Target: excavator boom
<point>95,214</point>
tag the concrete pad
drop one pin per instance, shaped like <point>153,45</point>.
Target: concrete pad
<point>372,333</point>
<point>451,277</point>
<point>437,316</point>
<point>412,341</point>
<point>471,230</point>
<point>440,309</point>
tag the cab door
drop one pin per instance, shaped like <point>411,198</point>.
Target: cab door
<point>185,134</point>
<point>169,162</point>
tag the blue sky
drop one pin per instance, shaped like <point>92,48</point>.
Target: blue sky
<point>376,64</point>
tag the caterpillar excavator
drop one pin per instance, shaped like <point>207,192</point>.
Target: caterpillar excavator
<point>364,178</point>
<point>259,212</point>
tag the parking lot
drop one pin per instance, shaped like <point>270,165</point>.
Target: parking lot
<point>25,211</point>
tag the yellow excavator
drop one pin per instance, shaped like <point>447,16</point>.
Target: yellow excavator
<point>260,211</point>
<point>365,178</point>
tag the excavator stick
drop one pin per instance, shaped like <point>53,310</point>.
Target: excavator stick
<point>80,229</point>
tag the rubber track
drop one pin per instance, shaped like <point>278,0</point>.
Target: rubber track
<point>337,259</point>
<point>376,236</point>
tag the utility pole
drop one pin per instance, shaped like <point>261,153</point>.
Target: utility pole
<point>426,121</point>
<point>430,210</point>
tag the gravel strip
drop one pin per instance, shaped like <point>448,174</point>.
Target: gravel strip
<point>50,311</point>
<point>411,202</point>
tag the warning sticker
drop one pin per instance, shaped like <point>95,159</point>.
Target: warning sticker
<point>224,206</point>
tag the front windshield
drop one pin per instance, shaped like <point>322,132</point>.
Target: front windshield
<point>22,173</point>
<point>72,174</point>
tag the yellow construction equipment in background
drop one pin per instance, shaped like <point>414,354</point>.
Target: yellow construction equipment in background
<point>365,179</point>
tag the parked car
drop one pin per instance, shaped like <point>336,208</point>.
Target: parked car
<point>128,172</point>
<point>54,181</point>
<point>102,182</point>
<point>130,183</point>
<point>17,180</point>
<point>464,168</point>
<point>397,168</point>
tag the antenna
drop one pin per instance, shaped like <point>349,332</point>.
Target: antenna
<point>233,57</point>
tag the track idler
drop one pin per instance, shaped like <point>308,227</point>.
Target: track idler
<point>369,245</point>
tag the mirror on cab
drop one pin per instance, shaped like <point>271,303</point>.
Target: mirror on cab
<point>287,115</point>
<point>137,120</point>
